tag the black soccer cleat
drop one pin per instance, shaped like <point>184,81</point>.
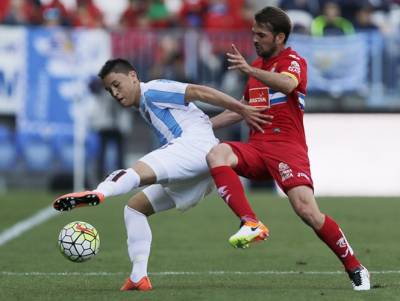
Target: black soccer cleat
<point>360,279</point>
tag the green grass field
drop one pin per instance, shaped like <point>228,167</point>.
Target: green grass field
<point>292,265</point>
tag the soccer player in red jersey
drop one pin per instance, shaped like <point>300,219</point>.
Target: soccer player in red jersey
<point>277,81</point>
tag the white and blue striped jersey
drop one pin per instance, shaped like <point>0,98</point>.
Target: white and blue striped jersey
<point>163,106</point>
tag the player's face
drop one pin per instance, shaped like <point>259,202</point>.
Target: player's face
<point>124,88</point>
<point>264,41</point>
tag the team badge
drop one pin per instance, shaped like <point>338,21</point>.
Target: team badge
<point>285,171</point>
<point>294,67</point>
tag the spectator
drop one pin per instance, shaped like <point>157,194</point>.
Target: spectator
<point>242,14</point>
<point>4,9</point>
<point>192,13</point>
<point>301,21</point>
<point>24,12</point>
<point>169,61</point>
<point>135,15</point>
<point>219,15</point>
<point>52,17</point>
<point>331,22</point>
<point>310,6</point>
<point>363,20</point>
<point>55,12</point>
<point>260,4</point>
<point>87,15</point>
<point>158,14</point>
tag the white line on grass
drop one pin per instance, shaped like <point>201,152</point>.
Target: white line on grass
<point>27,224</point>
<point>169,273</point>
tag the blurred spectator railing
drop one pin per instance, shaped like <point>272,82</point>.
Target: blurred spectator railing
<point>366,66</point>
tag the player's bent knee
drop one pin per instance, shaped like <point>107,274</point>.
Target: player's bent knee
<point>141,203</point>
<point>219,155</point>
<point>312,217</point>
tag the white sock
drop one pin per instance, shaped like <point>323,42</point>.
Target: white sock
<point>139,242</point>
<point>119,182</point>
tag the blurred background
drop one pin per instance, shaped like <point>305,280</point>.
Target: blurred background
<point>59,130</point>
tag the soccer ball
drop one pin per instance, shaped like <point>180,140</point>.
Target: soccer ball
<point>79,241</point>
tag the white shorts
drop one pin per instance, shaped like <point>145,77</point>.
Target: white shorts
<point>182,173</point>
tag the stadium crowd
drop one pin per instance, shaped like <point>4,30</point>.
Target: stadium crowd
<point>317,17</point>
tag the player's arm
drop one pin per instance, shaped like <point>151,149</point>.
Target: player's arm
<point>253,116</point>
<point>226,118</point>
<point>282,82</point>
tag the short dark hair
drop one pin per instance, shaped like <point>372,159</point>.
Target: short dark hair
<point>275,19</point>
<point>117,65</point>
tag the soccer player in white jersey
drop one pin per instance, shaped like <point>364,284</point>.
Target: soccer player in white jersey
<point>177,172</point>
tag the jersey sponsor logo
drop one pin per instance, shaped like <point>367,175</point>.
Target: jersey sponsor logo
<point>294,67</point>
<point>259,97</point>
<point>285,171</point>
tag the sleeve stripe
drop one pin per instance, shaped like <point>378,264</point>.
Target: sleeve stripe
<point>165,97</point>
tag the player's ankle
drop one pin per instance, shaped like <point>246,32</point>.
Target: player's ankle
<point>249,218</point>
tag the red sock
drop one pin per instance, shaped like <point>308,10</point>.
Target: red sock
<point>231,190</point>
<point>333,236</point>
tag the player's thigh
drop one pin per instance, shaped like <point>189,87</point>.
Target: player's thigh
<point>250,161</point>
<point>289,167</point>
<point>180,160</point>
<point>187,194</point>
<point>181,195</point>
<point>159,199</point>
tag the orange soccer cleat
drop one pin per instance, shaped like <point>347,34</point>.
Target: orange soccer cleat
<point>144,285</point>
<point>78,199</point>
<point>249,232</point>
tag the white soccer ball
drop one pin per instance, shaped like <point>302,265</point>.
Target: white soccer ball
<point>79,241</point>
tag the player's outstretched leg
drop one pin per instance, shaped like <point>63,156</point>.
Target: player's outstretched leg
<point>118,182</point>
<point>78,199</point>
<point>305,206</point>
<point>249,232</point>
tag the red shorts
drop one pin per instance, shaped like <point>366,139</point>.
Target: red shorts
<point>284,162</point>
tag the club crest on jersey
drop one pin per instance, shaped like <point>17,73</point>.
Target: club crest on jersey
<point>285,171</point>
<point>259,97</point>
<point>294,67</point>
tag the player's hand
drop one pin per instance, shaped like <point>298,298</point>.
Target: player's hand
<point>237,61</point>
<point>256,118</point>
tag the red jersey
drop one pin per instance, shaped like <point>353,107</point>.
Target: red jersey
<point>288,110</point>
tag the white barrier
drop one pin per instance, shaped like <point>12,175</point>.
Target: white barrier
<point>354,154</point>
